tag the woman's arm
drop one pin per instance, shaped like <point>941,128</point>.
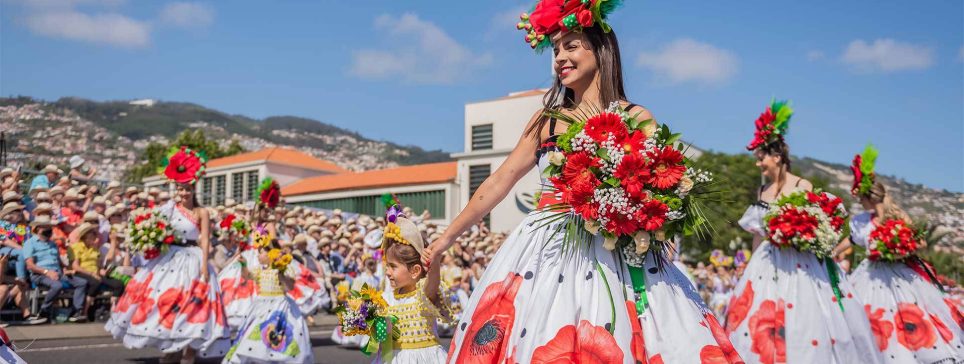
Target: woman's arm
<point>204,241</point>
<point>491,192</point>
<point>841,248</point>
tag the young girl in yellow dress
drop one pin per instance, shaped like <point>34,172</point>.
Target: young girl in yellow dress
<point>274,329</point>
<point>418,301</point>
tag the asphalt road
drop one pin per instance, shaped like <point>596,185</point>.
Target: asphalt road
<point>107,350</point>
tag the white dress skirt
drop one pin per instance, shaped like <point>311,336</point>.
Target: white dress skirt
<point>238,292</point>
<point>784,309</point>
<point>308,293</point>
<point>912,321</point>
<point>166,304</point>
<point>538,302</point>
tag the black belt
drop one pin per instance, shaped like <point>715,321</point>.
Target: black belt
<point>185,243</point>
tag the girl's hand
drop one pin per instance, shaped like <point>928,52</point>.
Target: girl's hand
<point>433,253</point>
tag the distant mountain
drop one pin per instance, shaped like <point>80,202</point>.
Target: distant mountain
<point>140,121</point>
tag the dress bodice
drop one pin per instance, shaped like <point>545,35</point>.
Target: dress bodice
<point>268,283</point>
<point>186,226</point>
<point>752,220</point>
<point>860,227</point>
<point>417,316</point>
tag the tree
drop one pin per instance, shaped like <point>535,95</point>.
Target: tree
<point>155,153</point>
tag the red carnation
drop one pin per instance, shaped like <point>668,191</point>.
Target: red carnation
<point>652,215</point>
<point>169,239</point>
<point>585,18</point>
<point>602,126</point>
<point>271,195</point>
<point>858,174</point>
<point>140,218</point>
<point>161,225</point>
<point>633,174</point>
<point>667,167</point>
<point>183,167</point>
<point>226,223</point>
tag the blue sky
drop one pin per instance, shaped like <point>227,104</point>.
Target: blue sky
<point>857,71</point>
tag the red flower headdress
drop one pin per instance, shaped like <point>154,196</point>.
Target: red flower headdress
<point>863,169</point>
<point>550,16</point>
<point>269,193</point>
<point>772,124</point>
<point>185,165</point>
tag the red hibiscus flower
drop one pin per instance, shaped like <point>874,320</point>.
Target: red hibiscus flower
<point>739,307</point>
<point>858,175</point>
<point>913,330</point>
<point>638,343</point>
<point>942,328</point>
<point>491,323</point>
<point>144,309</point>
<point>666,167</point>
<point>727,352</point>
<point>196,304</point>
<point>168,306</point>
<point>605,125</point>
<point>183,167</point>
<point>547,15</point>
<point>633,174</point>
<point>881,328</point>
<point>587,344</point>
<point>955,312</point>
<point>768,332</point>
<point>134,293</point>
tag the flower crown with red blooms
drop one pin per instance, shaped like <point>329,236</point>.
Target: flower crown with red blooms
<point>772,124</point>
<point>268,193</point>
<point>550,16</point>
<point>863,169</point>
<point>185,165</point>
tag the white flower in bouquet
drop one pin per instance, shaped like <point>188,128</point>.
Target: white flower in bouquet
<point>592,226</point>
<point>152,235</point>
<point>610,242</point>
<point>685,185</point>
<point>556,158</point>
<point>642,240</point>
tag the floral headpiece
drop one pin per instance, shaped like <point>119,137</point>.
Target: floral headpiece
<point>772,124</point>
<point>402,231</point>
<point>261,238</point>
<point>863,169</point>
<point>185,165</point>
<point>550,16</point>
<point>277,260</point>
<point>235,224</point>
<point>268,193</point>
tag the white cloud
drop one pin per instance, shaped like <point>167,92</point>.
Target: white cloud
<point>187,15</point>
<point>686,60</point>
<point>887,55</point>
<point>423,53</point>
<point>106,28</point>
<point>504,22</point>
<point>814,56</point>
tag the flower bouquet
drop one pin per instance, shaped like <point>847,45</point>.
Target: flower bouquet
<point>624,178</point>
<point>807,221</point>
<point>19,233</point>
<point>893,240</point>
<point>365,313</point>
<point>150,233</point>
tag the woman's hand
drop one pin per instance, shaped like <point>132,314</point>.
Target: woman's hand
<point>433,253</point>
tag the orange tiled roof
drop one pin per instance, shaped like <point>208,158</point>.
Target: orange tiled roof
<point>278,155</point>
<point>408,175</point>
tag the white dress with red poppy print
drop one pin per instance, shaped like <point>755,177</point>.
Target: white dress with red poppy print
<point>784,310</point>
<point>237,291</point>
<point>166,304</point>
<point>539,302</point>
<point>307,291</point>
<point>911,320</point>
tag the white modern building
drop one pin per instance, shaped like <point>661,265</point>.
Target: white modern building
<point>238,176</point>
<point>492,129</point>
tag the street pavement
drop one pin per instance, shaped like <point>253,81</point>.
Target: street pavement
<point>107,350</point>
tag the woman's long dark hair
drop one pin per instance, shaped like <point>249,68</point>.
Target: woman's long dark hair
<point>605,47</point>
<point>778,148</point>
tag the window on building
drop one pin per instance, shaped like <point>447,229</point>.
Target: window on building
<point>252,186</point>
<point>482,137</point>
<point>237,187</point>
<point>220,187</point>
<point>477,175</point>
<point>206,191</point>
<point>433,201</point>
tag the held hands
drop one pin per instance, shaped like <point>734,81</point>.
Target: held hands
<point>433,253</point>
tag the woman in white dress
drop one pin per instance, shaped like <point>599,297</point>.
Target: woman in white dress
<point>174,302</point>
<point>538,301</point>
<point>784,309</point>
<point>911,319</point>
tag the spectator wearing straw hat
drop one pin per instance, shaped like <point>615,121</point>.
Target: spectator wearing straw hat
<point>43,261</point>
<point>46,178</point>
<point>84,257</point>
<point>9,179</point>
<point>15,234</point>
<point>78,172</point>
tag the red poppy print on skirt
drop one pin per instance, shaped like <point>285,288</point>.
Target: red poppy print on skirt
<point>768,332</point>
<point>739,307</point>
<point>586,344</point>
<point>881,328</point>
<point>492,321</point>
<point>914,331</point>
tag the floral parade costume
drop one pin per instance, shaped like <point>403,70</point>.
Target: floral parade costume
<point>417,325</point>
<point>784,308</point>
<point>540,301</point>
<point>166,304</point>
<point>274,330</point>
